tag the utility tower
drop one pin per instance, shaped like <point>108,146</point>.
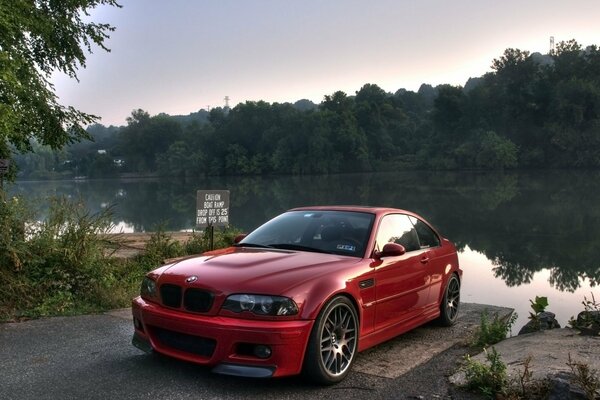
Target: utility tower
<point>551,45</point>
<point>226,101</point>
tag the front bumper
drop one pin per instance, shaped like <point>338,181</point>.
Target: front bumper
<point>221,341</point>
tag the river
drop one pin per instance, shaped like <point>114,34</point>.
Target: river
<point>520,234</point>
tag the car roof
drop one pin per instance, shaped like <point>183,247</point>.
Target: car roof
<point>367,209</point>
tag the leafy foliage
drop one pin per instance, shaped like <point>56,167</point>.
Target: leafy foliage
<point>38,38</point>
<point>538,306</point>
<point>494,331</point>
<point>63,264</point>
<point>490,379</point>
<point>55,264</point>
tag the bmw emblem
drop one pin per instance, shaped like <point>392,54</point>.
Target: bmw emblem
<point>191,279</point>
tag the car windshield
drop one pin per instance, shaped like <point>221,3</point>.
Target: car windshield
<point>335,232</point>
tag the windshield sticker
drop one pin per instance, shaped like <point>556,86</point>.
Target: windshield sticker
<point>308,215</point>
<point>346,247</point>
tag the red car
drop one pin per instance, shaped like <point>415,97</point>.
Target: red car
<point>304,292</point>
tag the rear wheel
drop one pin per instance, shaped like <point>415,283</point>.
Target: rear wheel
<point>450,302</point>
<point>333,342</point>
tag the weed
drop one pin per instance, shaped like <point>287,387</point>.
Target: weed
<point>490,379</point>
<point>586,377</point>
<point>588,321</point>
<point>524,377</point>
<point>492,331</point>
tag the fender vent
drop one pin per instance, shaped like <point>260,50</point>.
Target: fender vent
<point>366,283</point>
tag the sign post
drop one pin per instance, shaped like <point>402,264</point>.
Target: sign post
<point>4,164</point>
<point>212,209</point>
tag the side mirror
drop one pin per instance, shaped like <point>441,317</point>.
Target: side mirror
<point>390,250</point>
<point>239,238</point>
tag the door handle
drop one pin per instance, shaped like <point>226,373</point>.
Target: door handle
<point>424,260</point>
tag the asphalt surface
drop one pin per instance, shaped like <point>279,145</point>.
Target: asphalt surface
<point>91,357</point>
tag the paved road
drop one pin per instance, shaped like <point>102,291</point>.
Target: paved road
<point>91,357</point>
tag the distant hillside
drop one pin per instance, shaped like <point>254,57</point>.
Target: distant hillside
<point>200,116</point>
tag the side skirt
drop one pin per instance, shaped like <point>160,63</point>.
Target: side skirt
<point>392,331</point>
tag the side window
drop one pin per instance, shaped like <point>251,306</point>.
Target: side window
<point>397,228</point>
<point>427,236</point>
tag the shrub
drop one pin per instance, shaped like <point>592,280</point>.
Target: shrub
<point>488,379</point>
<point>494,331</point>
<point>62,265</point>
<point>56,265</point>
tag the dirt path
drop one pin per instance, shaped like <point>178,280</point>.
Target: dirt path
<point>127,245</point>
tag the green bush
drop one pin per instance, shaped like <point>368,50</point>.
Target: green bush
<point>492,331</point>
<point>490,379</point>
<point>53,265</point>
<point>199,243</point>
<point>161,246</point>
<point>62,265</point>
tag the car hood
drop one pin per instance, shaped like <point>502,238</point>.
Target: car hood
<point>260,271</point>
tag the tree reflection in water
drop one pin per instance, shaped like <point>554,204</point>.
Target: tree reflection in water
<point>523,222</point>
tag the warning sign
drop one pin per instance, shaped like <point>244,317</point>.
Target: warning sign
<point>212,208</point>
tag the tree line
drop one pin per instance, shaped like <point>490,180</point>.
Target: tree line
<point>530,111</point>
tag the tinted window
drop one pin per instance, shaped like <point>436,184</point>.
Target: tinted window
<point>427,236</point>
<point>337,232</point>
<point>397,228</point>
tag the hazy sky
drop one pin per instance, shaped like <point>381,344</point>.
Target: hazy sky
<point>179,56</point>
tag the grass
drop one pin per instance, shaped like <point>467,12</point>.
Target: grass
<point>60,266</point>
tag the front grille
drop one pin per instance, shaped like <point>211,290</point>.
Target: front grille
<point>171,295</point>
<point>184,342</point>
<point>197,300</point>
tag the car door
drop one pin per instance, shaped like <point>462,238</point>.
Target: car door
<point>437,260</point>
<point>402,282</point>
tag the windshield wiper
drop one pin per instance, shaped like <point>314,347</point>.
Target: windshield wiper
<point>265,246</point>
<point>291,246</point>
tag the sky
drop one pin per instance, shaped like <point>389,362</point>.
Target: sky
<point>180,56</point>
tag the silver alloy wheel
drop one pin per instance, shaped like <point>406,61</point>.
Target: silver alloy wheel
<point>338,339</point>
<point>453,298</point>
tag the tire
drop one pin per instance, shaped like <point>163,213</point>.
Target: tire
<point>450,302</point>
<point>333,343</point>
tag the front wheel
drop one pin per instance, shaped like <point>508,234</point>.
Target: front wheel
<point>333,342</point>
<point>450,302</point>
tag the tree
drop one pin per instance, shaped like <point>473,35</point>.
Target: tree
<point>37,38</point>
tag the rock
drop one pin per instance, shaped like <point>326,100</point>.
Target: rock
<point>588,323</point>
<point>549,352</point>
<point>544,321</point>
<point>561,387</point>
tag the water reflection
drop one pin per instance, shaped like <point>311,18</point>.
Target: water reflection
<point>525,224</point>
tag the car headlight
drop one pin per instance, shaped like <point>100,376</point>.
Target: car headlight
<point>260,304</point>
<point>148,289</point>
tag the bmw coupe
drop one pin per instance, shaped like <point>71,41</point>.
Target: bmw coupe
<point>303,293</point>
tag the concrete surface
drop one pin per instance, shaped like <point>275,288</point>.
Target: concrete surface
<point>398,356</point>
<point>549,351</point>
<point>91,357</point>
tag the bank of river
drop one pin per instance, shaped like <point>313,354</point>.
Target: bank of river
<point>127,245</point>
<point>519,234</point>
